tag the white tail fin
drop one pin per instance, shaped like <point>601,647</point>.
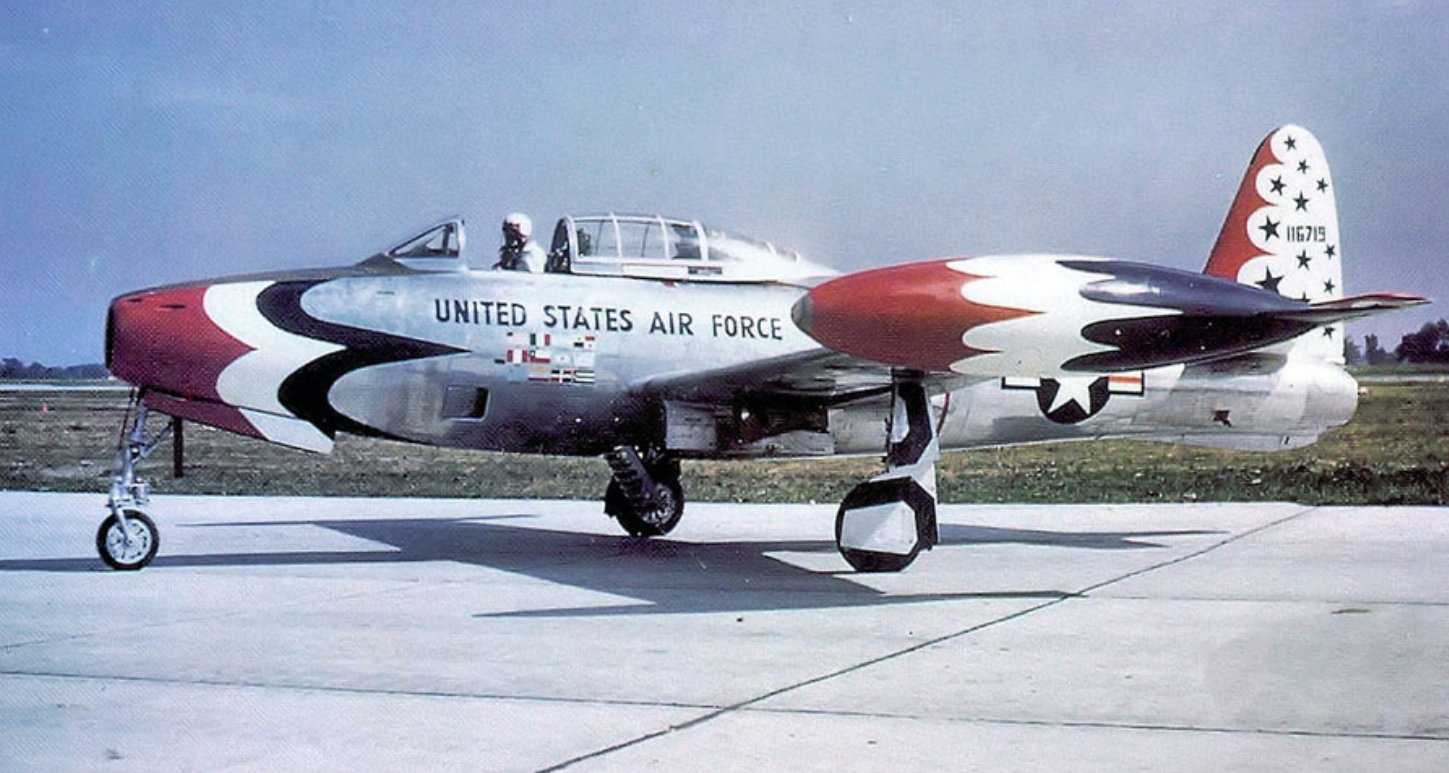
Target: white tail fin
<point>1281,233</point>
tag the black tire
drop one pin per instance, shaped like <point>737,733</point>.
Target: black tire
<point>655,523</point>
<point>869,561</point>
<point>110,541</point>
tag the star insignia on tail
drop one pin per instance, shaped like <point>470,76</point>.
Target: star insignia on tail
<point>1269,282</point>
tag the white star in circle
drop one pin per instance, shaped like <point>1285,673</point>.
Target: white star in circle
<point>1073,390</point>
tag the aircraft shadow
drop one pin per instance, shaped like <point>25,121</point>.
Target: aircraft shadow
<point>662,576</point>
<point>962,534</point>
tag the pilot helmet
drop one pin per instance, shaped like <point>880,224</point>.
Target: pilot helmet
<point>519,224</point>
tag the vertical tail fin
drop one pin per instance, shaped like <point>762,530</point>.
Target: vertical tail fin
<point>1281,232</point>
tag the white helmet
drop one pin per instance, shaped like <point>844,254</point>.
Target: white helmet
<point>520,223</point>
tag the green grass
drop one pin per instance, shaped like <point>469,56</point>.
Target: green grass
<point>1397,368</point>
<point>1393,452</point>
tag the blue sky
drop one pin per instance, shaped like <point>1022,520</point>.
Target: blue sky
<point>150,143</point>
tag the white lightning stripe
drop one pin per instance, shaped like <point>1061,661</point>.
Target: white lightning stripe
<point>1036,344</point>
<point>289,432</point>
<point>251,382</point>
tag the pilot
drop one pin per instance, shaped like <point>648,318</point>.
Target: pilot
<point>519,252</point>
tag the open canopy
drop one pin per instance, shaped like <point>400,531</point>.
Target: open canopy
<point>645,246</point>
<point>665,248</point>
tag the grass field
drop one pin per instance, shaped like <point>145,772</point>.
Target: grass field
<point>1393,452</point>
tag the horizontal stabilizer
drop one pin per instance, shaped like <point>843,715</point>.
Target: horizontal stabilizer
<point>1341,309</point>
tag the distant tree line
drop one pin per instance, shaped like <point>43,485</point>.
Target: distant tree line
<point>12,368</point>
<point>1429,345</point>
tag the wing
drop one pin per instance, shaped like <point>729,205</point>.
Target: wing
<point>822,375</point>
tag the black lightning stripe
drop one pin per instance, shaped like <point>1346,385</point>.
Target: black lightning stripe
<point>1147,342</point>
<point>304,392</point>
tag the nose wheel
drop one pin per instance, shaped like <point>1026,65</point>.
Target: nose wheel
<point>127,544</point>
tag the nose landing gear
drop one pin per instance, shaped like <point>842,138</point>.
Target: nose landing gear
<point>128,538</point>
<point>884,523</point>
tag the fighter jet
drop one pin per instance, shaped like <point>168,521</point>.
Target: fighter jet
<point>653,339</point>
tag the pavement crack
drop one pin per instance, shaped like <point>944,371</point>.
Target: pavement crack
<point>350,690</point>
<point>919,646</point>
<point>1266,599</point>
<point>1110,725</point>
<point>1230,539</point>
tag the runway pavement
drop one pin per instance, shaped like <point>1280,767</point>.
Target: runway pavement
<point>393,634</point>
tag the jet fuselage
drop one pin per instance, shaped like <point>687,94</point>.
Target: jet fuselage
<point>565,364</point>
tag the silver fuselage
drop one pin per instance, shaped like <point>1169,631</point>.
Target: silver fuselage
<point>563,364</point>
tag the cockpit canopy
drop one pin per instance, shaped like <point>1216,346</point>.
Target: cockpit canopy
<point>664,248</point>
<point>646,246</point>
<point>439,248</point>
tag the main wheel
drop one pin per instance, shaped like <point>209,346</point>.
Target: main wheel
<point>905,499</point>
<point>651,522</point>
<point>870,561</point>
<point>117,552</point>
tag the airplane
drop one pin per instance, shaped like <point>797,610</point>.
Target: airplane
<point>651,339</point>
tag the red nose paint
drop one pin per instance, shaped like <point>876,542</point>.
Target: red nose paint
<point>163,340</point>
<point>910,316</point>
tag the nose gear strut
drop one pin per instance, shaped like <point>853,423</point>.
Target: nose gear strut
<point>127,538</point>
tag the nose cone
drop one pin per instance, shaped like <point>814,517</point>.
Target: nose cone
<point>910,316</point>
<point>164,340</point>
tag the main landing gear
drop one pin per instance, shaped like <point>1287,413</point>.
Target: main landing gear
<point>644,494</point>
<point>884,523</point>
<point>127,538</point>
